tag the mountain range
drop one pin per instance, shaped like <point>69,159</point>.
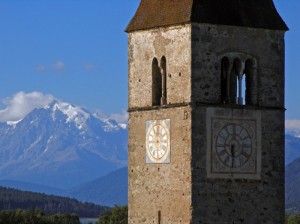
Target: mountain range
<point>61,146</point>
<point>292,148</point>
<point>62,149</point>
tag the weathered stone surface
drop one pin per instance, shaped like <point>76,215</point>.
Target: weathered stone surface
<point>210,43</point>
<point>143,48</point>
<point>160,187</point>
<point>240,200</point>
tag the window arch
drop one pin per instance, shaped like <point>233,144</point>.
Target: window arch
<point>251,86</point>
<point>156,83</point>
<point>159,82</point>
<point>238,80</point>
<point>224,80</point>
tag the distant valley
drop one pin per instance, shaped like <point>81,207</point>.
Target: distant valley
<point>109,190</point>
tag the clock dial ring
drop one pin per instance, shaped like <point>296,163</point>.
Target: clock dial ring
<point>158,141</point>
<point>233,145</point>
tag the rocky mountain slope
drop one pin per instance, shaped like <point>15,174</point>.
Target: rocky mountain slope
<point>110,190</point>
<point>61,146</point>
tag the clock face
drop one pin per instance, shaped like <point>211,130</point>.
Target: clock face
<point>233,145</point>
<point>158,141</point>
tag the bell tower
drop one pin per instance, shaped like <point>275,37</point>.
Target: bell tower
<point>206,112</point>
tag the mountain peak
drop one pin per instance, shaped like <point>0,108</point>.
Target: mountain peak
<point>61,144</point>
<point>13,123</point>
<point>73,113</point>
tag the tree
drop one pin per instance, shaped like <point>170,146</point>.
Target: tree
<point>36,216</point>
<point>117,215</point>
<point>293,219</point>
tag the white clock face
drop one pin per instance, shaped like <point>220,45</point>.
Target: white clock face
<point>158,141</point>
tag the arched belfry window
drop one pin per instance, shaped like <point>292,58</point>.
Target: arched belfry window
<point>251,84</point>
<point>159,82</point>
<point>238,80</point>
<point>225,67</point>
<point>237,76</point>
<point>156,83</point>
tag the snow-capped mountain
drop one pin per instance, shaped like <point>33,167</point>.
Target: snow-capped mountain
<point>293,132</point>
<point>61,145</point>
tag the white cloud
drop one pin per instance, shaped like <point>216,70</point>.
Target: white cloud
<point>40,68</point>
<point>89,67</point>
<point>22,103</point>
<point>120,118</point>
<point>292,124</point>
<point>58,66</point>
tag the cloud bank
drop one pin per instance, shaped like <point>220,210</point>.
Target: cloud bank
<point>22,103</point>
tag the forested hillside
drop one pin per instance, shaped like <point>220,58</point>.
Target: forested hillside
<point>16,199</point>
<point>36,217</point>
<point>292,183</point>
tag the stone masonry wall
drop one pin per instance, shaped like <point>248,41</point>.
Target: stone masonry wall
<point>175,44</point>
<point>241,200</point>
<point>160,187</point>
<point>181,191</point>
<point>210,43</point>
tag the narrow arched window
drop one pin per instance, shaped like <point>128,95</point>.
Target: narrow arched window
<point>225,77</point>
<point>250,85</point>
<point>238,80</point>
<point>156,83</point>
<point>237,86</point>
<point>163,67</point>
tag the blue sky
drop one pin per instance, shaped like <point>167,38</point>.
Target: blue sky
<point>76,50</point>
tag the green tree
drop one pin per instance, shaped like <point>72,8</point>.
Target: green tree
<point>36,217</point>
<point>117,215</point>
<point>293,219</point>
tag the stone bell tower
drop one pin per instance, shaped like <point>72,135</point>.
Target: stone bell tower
<point>206,112</point>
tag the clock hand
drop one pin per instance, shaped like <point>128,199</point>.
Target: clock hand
<point>232,154</point>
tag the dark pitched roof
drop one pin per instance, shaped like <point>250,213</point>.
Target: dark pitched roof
<point>247,13</point>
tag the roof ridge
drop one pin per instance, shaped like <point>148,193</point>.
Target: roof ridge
<point>254,13</point>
